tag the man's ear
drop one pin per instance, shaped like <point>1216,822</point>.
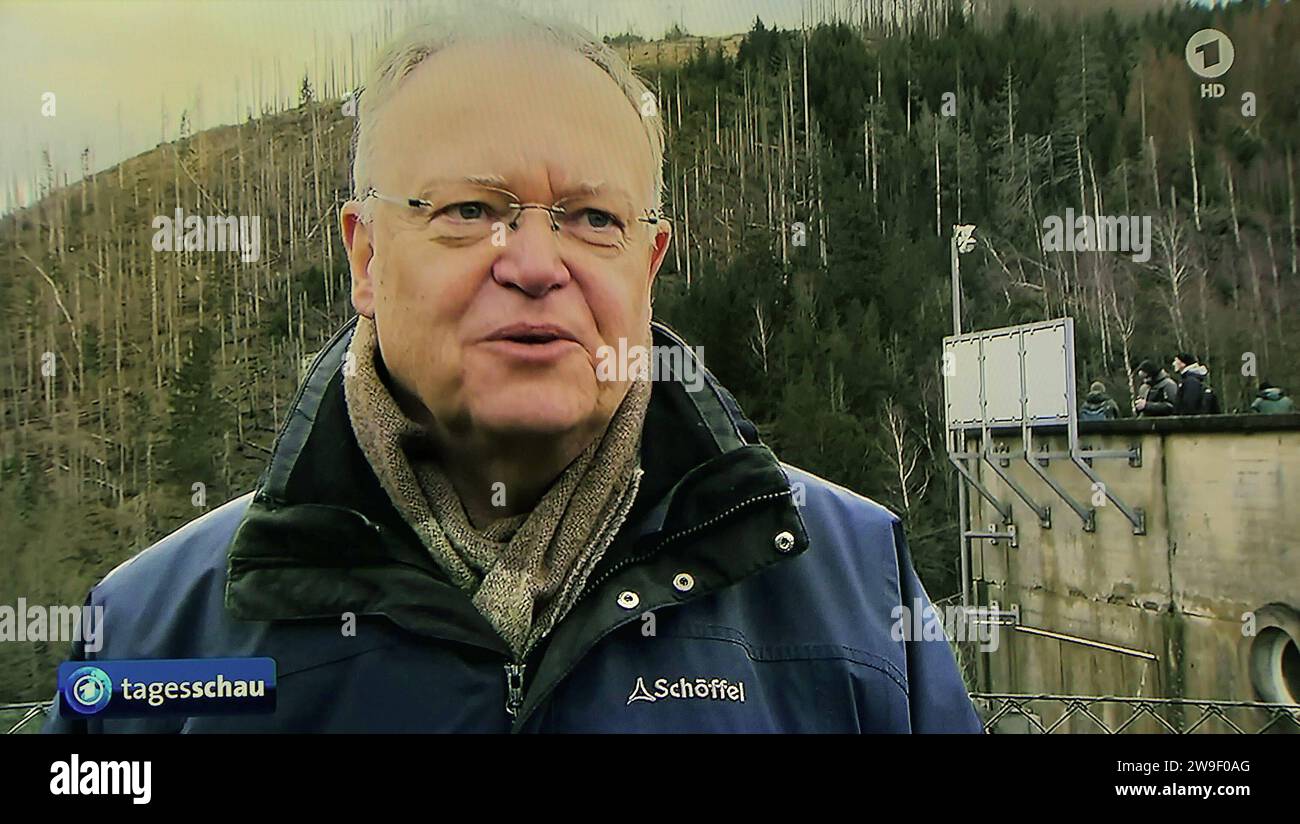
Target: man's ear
<point>659,249</point>
<point>361,251</point>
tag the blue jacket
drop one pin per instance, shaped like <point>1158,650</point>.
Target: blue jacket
<point>741,595</point>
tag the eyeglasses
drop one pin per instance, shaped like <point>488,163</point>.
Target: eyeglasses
<point>468,214</point>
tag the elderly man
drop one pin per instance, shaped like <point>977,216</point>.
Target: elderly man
<point>469,525</point>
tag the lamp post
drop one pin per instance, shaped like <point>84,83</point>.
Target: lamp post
<point>963,241</point>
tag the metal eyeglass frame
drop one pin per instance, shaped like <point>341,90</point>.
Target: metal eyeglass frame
<point>652,216</point>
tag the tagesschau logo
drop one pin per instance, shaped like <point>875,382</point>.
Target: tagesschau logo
<point>712,689</point>
<point>186,686</point>
<point>88,690</point>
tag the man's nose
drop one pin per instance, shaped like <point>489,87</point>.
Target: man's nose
<point>531,260</point>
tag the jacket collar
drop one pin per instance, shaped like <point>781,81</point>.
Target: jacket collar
<point>321,538</point>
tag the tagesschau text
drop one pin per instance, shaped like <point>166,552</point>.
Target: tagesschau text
<point>190,686</point>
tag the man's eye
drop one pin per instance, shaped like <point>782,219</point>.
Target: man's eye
<point>598,219</point>
<point>469,210</point>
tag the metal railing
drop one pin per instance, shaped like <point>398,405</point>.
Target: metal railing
<point>30,711</point>
<point>1116,714</point>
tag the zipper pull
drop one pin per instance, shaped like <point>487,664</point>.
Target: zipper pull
<point>514,688</point>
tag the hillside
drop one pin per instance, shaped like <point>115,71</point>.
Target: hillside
<point>810,196</point>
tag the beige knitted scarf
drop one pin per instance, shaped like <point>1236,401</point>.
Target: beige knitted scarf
<point>523,572</point>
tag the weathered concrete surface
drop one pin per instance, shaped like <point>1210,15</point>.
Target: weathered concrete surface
<point>1221,498</point>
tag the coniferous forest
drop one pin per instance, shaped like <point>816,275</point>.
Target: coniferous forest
<point>813,178</point>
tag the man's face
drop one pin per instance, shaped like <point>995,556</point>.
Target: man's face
<point>1178,365</point>
<point>500,336</point>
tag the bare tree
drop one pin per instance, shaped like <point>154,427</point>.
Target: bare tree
<point>762,336</point>
<point>1171,260</point>
<point>904,455</point>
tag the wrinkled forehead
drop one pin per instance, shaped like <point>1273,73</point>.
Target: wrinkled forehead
<point>543,120</point>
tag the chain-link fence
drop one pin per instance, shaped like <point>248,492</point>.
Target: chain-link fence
<point>1006,713</point>
<point>1115,714</point>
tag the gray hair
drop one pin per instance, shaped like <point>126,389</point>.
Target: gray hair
<point>411,48</point>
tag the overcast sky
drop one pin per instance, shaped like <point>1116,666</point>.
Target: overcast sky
<point>114,65</point>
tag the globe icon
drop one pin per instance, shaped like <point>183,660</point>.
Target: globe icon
<point>88,690</point>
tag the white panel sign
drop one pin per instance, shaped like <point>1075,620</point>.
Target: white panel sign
<point>1002,378</point>
<point>1047,374</point>
<point>988,374</point>
<point>961,382</point>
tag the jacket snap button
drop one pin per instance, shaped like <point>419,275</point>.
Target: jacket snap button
<point>628,599</point>
<point>784,542</point>
<point>684,582</point>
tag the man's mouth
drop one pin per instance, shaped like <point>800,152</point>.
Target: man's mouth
<point>530,333</point>
<point>533,342</point>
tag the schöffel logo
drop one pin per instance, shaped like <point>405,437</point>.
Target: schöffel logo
<point>712,689</point>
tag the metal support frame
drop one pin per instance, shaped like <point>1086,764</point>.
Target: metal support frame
<point>1027,439</point>
<point>1003,509</point>
<point>994,615</point>
<point>962,240</point>
<point>963,544</point>
<point>1042,512</point>
<point>1087,515</point>
<point>1133,454</point>
<point>1076,454</point>
<point>1135,516</point>
<point>993,535</point>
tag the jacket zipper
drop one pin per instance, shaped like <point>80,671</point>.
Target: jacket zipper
<point>514,688</point>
